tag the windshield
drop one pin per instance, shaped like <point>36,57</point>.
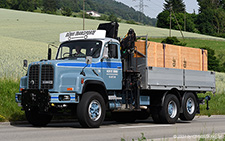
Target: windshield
<point>79,49</point>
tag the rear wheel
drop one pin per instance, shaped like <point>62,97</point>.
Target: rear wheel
<point>170,110</point>
<point>143,114</point>
<point>37,119</point>
<point>189,106</point>
<point>91,110</point>
<point>155,114</point>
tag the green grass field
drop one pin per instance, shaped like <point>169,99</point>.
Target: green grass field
<point>216,105</point>
<point>220,83</point>
<point>25,35</point>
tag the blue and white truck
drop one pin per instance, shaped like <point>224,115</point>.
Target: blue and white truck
<point>94,73</point>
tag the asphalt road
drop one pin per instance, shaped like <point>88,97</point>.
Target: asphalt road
<point>114,131</point>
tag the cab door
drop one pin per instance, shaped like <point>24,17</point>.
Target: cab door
<point>112,68</point>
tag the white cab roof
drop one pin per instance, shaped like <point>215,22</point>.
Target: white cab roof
<point>83,34</point>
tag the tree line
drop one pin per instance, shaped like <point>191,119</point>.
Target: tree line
<point>210,20</point>
<point>67,7</point>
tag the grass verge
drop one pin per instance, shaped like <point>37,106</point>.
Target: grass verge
<point>9,110</point>
<point>216,105</point>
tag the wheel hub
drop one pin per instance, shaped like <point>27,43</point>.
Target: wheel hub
<point>172,109</point>
<point>190,106</point>
<point>94,110</point>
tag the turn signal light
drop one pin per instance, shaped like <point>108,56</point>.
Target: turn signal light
<point>82,81</point>
<point>21,89</point>
<point>69,89</point>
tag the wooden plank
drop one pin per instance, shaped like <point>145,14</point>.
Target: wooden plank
<point>151,53</point>
<point>171,54</point>
<point>140,44</point>
<point>205,54</point>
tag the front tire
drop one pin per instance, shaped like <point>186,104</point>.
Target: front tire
<point>189,106</point>
<point>91,110</point>
<point>37,119</point>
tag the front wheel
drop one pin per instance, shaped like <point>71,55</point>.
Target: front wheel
<point>91,110</point>
<point>37,119</point>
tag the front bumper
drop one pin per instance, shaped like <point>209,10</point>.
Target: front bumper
<point>57,98</point>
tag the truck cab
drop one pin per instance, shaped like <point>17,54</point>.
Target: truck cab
<point>85,61</point>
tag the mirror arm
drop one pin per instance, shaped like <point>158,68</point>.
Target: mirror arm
<point>24,65</point>
<point>50,50</point>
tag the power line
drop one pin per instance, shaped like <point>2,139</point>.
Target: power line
<point>157,5</point>
<point>141,5</point>
<point>141,8</point>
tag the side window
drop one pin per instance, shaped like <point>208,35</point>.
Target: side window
<point>64,52</point>
<point>113,52</point>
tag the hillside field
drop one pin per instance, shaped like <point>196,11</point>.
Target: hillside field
<point>25,35</point>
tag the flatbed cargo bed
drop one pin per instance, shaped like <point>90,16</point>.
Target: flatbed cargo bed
<point>167,77</point>
<point>183,80</point>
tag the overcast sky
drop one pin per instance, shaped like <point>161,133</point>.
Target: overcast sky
<point>154,7</point>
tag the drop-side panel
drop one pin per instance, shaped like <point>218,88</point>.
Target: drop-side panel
<point>165,78</point>
<point>199,80</point>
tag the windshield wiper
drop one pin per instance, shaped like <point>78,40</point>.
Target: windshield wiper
<point>63,58</point>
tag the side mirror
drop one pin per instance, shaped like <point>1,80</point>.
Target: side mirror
<point>105,52</point>
<point>88,60</point>
<point>49,53</point>
<point>24,63</point>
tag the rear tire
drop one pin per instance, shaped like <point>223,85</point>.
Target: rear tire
<point>189,106</point>
<point>155,114</point>
<point>36,119</point>
<point>91,110</point>
<point>170,110</point>
<point>143,114</point>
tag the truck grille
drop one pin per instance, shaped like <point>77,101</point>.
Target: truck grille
<point>47,77</point>
<point>34,77</point>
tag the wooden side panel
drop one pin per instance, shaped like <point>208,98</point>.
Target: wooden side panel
<point>191,58</point>
<point>140,44</point>
<point>152,54</point>
<point>205,61</point>
<point>173,56</point>
<point>159,59</point>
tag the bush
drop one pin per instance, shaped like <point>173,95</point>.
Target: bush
<point>174,41</point>
<point>131,22</point>
<point>213,61</point>
<point>66,11</point>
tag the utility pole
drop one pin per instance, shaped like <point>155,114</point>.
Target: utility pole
<point>184,20</point>
<point>141,8</point>
<point>170,20</point>
<point>83,14</point>
<point>178,24</point>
